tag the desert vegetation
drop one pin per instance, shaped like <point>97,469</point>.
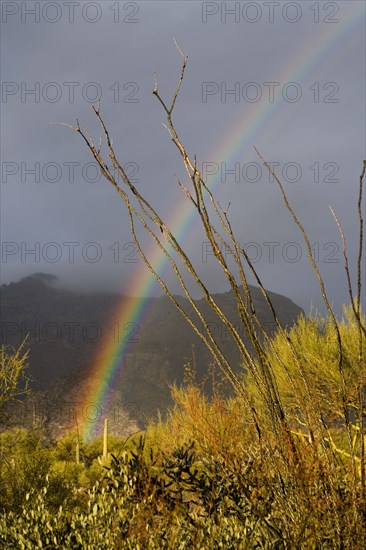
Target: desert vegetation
<point>203,478</point>
<point>281,464</point>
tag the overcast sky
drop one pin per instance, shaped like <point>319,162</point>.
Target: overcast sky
<point>310,120</point>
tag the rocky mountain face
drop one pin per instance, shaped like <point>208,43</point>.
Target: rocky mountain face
<point>66,331</point>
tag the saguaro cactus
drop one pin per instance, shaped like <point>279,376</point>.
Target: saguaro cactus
<point>105,440</point>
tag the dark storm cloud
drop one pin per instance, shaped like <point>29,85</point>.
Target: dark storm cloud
<point>78,59</point>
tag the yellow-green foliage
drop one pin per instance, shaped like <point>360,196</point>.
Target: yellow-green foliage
<point>206,486</point>
<point>215,425</point>
<point>206,478</point>
<point>13,380</point>
<point>305,363</point>
<point>24,464</point>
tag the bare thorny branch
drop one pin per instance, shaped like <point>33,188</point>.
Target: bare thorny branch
<point>266,379</point>
<point>356,308</point>
<point>259,365</point>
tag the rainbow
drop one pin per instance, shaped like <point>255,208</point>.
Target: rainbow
<point>109,361</point>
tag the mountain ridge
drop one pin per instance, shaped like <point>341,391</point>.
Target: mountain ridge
<point>63,340</point>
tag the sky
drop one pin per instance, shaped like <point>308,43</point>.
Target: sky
<point>286,77</point>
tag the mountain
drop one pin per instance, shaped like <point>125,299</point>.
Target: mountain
<point>67,331</point>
